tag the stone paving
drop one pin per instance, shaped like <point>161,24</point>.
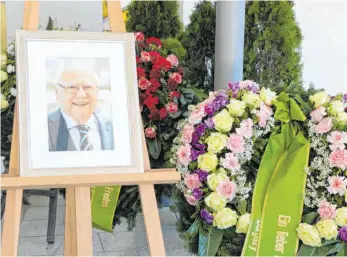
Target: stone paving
<point>32,238</point>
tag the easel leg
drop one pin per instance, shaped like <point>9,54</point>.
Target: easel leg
<point>78,226</point>
<point>152,220</point>
<point>70,238</point>
<point>10,232</point>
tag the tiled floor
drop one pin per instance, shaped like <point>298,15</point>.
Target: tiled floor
<point>32,238</point>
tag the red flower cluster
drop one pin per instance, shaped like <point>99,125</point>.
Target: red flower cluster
<point>157,76</point>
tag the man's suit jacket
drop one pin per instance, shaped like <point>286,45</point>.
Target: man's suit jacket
<point>60,139</point>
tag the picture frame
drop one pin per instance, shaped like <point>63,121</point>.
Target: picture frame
<point>67,80</point>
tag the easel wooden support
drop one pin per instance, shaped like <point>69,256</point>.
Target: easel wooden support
<point>78,227</point>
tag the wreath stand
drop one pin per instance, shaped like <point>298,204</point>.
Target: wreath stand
<point>78,225</point>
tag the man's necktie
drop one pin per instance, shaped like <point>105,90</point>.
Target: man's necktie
<point>85,144</point>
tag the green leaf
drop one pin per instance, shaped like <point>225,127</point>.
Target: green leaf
<point>309,218</point>
<point>154,147</point>
<point>175,115</point>
<point>335,249</point>
<point>242,207</point>
<point>50,24</point>
<point>323,250</point>
<point>306,250</point>
<point>209,241</point>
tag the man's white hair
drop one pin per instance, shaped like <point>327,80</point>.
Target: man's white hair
<point>77,68</point>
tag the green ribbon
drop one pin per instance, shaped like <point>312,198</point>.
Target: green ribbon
<point>286,154</point>
<point>103,205</point>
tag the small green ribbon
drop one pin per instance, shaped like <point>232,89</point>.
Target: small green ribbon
<point>287,109</point>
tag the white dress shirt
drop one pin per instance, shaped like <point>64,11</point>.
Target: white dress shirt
<point>93,133</point>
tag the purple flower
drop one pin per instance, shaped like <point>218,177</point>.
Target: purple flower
<point>343,234</point>
<point>195,138</point>
<point>197,193</point>
<point>222,99</point>
<point>194,154</point>
<point>345,97</point>
<point>202,175</point>
<point>200,129</point>
<point>204,214</point>
<point>209,123</point>
<point>199,146</point>
<point>209,109</point>
<point>253,88</point>
<point>235,87</point>
<point>216,104</point>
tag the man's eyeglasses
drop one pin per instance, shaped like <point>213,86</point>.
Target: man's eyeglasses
<point>75,88</point>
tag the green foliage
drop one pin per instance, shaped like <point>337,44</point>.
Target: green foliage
<point>173,46</point>
<point>272,54</point>
<point>199,40</point>
<point>154,18</point>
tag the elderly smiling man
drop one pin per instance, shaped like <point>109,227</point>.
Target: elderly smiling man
<point>75,126</point>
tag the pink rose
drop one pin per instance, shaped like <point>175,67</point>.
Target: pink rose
<point>139,36</point>
<point>144,83</point>
<point>150,132</point>
<point>264,114</point>
<point>171,107</point>
<point>324,125</point>
<point>337,139</point>
<point>191,200</point>
<point>183,154</point>
<point>145,56</point>
<point>326,210</point>
<point>246,83</point>
<point>227,189</point>
<point>196,115</point>
<point>337,185</point>
<point>192,181</point>
<point>338,158</point>
<point>177,77</point>
<point>230,162</point>
<point>236,143</point>
<point>318,114</point>
<point>173,60</point>
<point>187,133</point>
<point>246,128</point>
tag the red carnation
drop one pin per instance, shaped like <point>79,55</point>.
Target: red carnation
<point>154,55</point>
<point>143,83</point>
<point>139,36</point>
<point>172,84</point>
<point>154,114</point>
<point>174,94</point>
<point>163,113</point>
<point>177,77</point>
<point>138,60</point>
<point>151,101</point>
<point>145,56</point>
<point>141,72</point>
<point>171,107</point>
<point>155,41</point>
<point>162,63</point>
<point>150,132</point>
<point>155,74</point>
<point>173,60</point>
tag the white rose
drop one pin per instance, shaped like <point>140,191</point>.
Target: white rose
<point>236,107</point>
<point>319,99</point>
<point>327,229</point>
<point>267,96</point>
<point>341,117</point>
<point>243,223</point>
<point>13,92</point>
<point>214,179</point>
<point>336,107</point>
<point>10,68</point>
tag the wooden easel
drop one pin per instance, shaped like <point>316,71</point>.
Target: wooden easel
<point>78,227</point>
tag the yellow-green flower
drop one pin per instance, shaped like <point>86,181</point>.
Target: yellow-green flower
<point>336,107</point>
<point>341,216</point>
<point>223,121</point>
<point>327,229</point>
<point>319,99</point>
<point>216,142</point>
<point>251,99</point>
<point>243,223</point>
<point>267,96</point>
<point>236,107</point>
<point>4,103</point>
<point>214,179</point>
<point>341,117</point>
<point>225,218</point>
<point>207,161</point>
<point>3,76</point>
<point>215,201</point>
<point>3,59</point>
<point>309,235</point>
<point>346,197</point>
